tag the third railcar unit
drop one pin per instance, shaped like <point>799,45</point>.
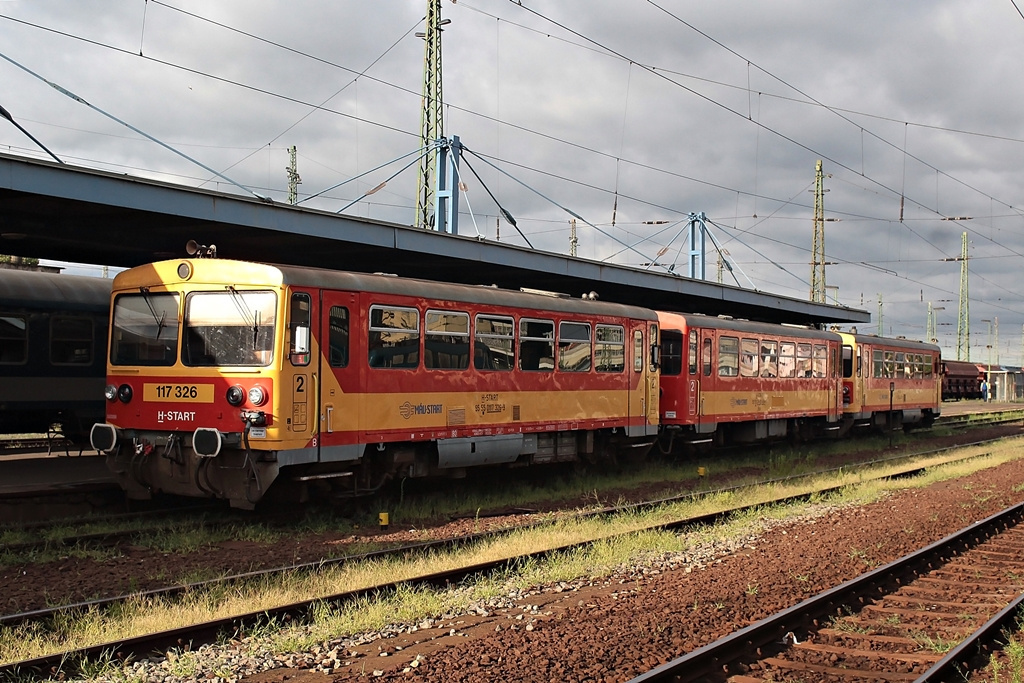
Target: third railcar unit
<point>225,376</point>
<point>890,383</point>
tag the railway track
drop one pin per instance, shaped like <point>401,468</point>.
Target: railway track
<point>196,634</point>
<point>890,624</point>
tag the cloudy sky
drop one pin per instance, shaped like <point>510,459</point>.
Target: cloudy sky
<point>630,114</point>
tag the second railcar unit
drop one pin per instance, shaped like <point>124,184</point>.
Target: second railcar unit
<point>735,381</point>
<point>53,332</point>
<point>890,383</point>
<point>226,376</point>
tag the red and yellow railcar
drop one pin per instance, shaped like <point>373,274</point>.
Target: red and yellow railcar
<point>734,381</point>
<point>890,383</point>
<point>225,377</point>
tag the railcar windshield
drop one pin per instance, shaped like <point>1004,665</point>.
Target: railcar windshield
<point>233,328</point>
<point>144,330</point>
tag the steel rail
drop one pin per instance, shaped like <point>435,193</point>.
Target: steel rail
<point>207,632</point>
<point>716,661</point>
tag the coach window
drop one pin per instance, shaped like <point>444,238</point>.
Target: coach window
<point>13,339</point>
<point>70,340</point>
<point>493,346</point>
<point>889,369</point>
<point>536,344</point>
<point>672,352</point>
<point>394,337</point>
<point>144,329</point>
<point>877,365</point>
<point>901,367</point>
<point>728,356</point>
<point>338,337</point>
<point>574,347</point>
<point>803,360</point>
<point>769,358</point>
<point>926,363</point>
<point>610,348</point>
<point>748,357</point>
<point>787,359</point>
<point>446,340</point>
<point>819,365</point>
<point>693,352</point>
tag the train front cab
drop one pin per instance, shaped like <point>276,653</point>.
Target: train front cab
<point>890,383</point>
<point>223,376</point>
<point>732,381</point>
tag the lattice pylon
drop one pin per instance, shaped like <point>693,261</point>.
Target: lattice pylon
<point>431,124</point>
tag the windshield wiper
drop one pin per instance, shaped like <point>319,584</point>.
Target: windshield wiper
<point>252,320</point>
<point>159,320</point>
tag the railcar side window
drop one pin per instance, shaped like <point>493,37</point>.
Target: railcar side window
<point>787,360</point>
<point>803,360</point>
<point>70,340</point>
<point>144,330</point>
<point>394,337</point>
<point>13,339</point>
<point>494,344</point>
<point>877,364</point>
<point>728,356</point>
<point>338,354</point>
<point>672,352</point>
<point>574,347</point>
<point>692,349</point>
<point>706,356</point>
<point>926,365</point>
<point>232,328</point>
<point>819,367</point>
<point>769,358</point>
<point>888,368</point>
<point>446,335</point>
<point>901,367</point>
<point>610,348</point>
<point>748,357</point>
<point>536,344</point>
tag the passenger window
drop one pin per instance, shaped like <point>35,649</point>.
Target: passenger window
<point>574,347</point>
<point>748,357</point>
<point>819,367</point>
<point>672,353</point>
<point>728,356</point>
<point>787,360</point>
<point>610,348</point>
<point>536,345</point>
<point>339,337</point>
<point>769,358</point>
<point>493,347</point>
<point>13,339</point>
<point>877,364</point>
<point>446,344</point>
<point>706,359</point>
<point>70,340</point>
<point>394,337</point>
<point>803,360</point>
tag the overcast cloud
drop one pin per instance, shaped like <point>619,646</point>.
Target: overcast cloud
<point>663,108</point>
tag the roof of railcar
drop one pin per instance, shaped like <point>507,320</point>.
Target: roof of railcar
<point>899,343</point>
<point>230,272</point>
<point>747,326</point>
<point>26,289</point>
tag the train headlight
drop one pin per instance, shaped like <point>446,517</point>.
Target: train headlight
<point>110,392</point>
<point>124,392</point>
<point>257,396</point>
<point>236,395</point>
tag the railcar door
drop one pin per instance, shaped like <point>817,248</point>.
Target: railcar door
<point>835,382</point>
<point>692,378</point>
<point>339,379</point>
<point>302,369</point>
